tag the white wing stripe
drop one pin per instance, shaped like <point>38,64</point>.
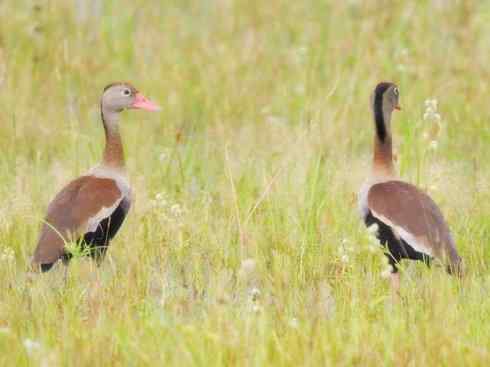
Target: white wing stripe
<point>405,235</point>
<point>93,222</point>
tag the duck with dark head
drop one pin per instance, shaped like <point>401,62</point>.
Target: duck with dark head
<point>409,223</point>
<point>91,209</point>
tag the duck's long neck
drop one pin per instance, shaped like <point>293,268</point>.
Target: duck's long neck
<point>114,151</point>
<point>383,148</point>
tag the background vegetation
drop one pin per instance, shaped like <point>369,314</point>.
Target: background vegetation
<point>244,245</point>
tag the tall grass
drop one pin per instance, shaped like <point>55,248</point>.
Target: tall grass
<point>244,246</point>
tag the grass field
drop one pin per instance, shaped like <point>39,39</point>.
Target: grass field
<point>244,245</point>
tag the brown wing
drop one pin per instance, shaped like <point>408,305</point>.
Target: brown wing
<point>414,216</point>
<point>69,213</point>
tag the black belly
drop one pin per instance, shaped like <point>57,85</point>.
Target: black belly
<point>397,249</point>
<point>97,242</point>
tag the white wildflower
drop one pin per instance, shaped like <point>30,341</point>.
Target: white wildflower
<point>7,255</point>
<point>159,200</point>
<point>302,50</point>
<point>344,251</point>
<point>431,104</point>
<point>162,157</point>
<point>256,308</point>
<point>433,120</point>
<point>294,323</point>
<point>254,293</point>
<point>373,229</point>
<point>401,68</point>
<point>431,114</point>
<point>160,196</point>
<point>176,210</point>
<point>388,270</point>
<point>31,345</point>
<point>247,268</point>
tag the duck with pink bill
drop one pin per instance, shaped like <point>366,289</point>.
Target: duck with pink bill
<point>406,221</point>
<point>91,209</point>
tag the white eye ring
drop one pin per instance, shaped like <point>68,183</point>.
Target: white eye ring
<point>126,92</point>
<point>395,91</point>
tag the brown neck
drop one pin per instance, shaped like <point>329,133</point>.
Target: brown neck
<point>383,157</point>
<point>114,151</point>
<point>383,147</point>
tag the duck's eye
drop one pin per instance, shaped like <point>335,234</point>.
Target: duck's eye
<point>395,91</point>
<point>126,92</point>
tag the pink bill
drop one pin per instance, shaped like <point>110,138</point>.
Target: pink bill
<point>141,102</point>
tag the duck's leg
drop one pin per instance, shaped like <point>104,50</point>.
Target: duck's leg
<point>395,284</point>
<point>394,275</point>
